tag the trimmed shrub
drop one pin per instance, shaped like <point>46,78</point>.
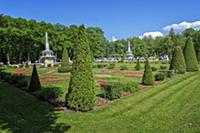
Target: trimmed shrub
<point>170,73</point>
<point>159,76</point>
<point>148,75</point>
<point>163,67</point>
<point>111,66</point>
<point>178,61</point>
<point>101,65</point>
<point>65,58</point>
<point>123,67</point>
<point>64,69</point>
<point>154,68</point>
<point>35,81</point>
<point>190,56</point>
<point>112,90</point>
<point>138,67</point>
<point>130,86</point>
<point>81,94</point>
<point>50,93</point>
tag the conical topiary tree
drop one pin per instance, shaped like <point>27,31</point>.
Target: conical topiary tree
<point>148,75</point>
<point>35,81</point>
<point>138,67</point>
<point>178,61</point>
<point>190,56</point>
<point>81,94</point>
<point>65,58</point>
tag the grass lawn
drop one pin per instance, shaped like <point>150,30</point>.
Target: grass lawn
<point>170,107</point>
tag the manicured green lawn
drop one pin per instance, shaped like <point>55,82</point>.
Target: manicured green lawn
<point>170,107</point>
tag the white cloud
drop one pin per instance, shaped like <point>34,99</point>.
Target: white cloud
<point>183,25</point>
<point>152,34</point>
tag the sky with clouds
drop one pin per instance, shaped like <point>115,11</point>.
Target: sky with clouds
<point>118,18</point>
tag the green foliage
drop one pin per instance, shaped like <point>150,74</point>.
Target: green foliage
<point>81,94</point>
<point>154,68</point>
<point>35,81</point>
<point>64,69</point>
<point>148,75</point>
<point>50,93</point>
<point>123,67</point>
<point>101,65</point>
<point>178,61</point>
<point>170,73</point>
<point>190,56</point>
<point>159,76</point>
<point>111,66</point>
<point>163,67</point>
<point>138,67</point>
<point>65,58</point>
<point>112,90</point>
<point>130,86</point>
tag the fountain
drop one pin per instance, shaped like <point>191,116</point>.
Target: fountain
<point>129,55</point>
<point>47,56</point>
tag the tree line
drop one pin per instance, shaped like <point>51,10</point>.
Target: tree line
<point>23,40</point>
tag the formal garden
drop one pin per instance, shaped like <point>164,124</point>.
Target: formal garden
<point>80,94</point>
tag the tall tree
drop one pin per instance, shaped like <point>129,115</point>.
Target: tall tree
<point>190,56</point>
<point>81,95</point>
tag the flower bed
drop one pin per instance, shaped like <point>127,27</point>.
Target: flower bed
<point>22,72</point>
<point>102,81</point>
<point>101,102</point>
<point>51,79</point>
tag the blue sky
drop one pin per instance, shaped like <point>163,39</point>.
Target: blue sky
<point>119,18</point>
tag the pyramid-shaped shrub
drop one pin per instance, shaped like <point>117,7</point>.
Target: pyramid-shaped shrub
<point>35,82</point>
<point>148,75</point>
<point>81,94</point>
<point>65,58</point>
<point>178,61</point>
<point>137,67</point>
<point>190,56</point>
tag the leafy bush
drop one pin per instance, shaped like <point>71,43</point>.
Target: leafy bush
<point>64,69</point>
<point>148,75</point>
<point>101,65</point>
<point>163,67</point>
<point>170,74</point>
<point>7,77</point>
<point>50,93</point>
<point>138,67</point>
<point>123,67</point>
<point>112,90</point>
<point>154,69</point>
<point>111,66</point>
<point>130,86</point>
<point>160,76</point>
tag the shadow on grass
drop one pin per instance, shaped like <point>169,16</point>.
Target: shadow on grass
<point>22,113</point>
